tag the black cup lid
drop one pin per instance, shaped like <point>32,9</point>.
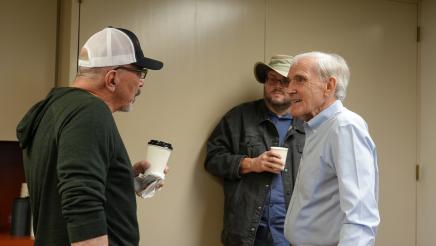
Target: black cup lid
<point>160,144</point>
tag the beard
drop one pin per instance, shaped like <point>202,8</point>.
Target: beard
<point>129,107</point>
<point>126,108</point>
<point>277,105</point>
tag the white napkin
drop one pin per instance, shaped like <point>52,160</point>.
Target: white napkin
<point>147,186</point>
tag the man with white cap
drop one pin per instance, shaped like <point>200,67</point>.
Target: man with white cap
<point>78,171</point>
<point>257,184</point>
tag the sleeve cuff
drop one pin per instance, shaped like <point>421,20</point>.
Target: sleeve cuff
<point>87,226</point>
<point>237,173</point>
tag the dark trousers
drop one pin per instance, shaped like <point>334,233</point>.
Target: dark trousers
<point>264,237</point>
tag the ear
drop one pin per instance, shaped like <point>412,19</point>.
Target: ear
<point>331,87</point>
<point>109,80</point>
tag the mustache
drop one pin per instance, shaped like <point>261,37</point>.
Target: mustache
<point>278,90</point>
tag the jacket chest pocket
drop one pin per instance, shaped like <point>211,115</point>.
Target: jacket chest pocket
<point>253,146</point>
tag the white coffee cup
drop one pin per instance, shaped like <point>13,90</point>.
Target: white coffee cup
<point>282,152</point>
<point>158,154</point>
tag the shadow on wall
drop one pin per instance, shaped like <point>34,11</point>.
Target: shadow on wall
<point>210,194</point>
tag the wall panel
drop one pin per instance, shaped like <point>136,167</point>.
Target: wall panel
<point>209,49</point>
<point>427,133</point>
<point>28,48</point>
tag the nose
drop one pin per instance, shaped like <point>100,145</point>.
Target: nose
<point>291,88</point>
<point>141,83</point>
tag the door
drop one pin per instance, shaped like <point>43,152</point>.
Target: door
<point>427,133</point>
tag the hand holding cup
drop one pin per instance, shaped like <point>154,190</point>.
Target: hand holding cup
<point>282,152</point>
<point>269,161</point>
<point>151,173</point>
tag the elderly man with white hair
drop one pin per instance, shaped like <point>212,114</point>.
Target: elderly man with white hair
<point>335,199</point>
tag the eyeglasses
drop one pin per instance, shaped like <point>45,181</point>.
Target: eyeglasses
<point>142,73</point>
<point>284,81</point>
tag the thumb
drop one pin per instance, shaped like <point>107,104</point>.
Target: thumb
<point>140,167</point>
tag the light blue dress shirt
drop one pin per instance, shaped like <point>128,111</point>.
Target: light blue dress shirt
<point>335,200</point>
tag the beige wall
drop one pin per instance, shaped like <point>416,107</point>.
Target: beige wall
<point>28,48</point>
<point>427,132</point>
<point>67,45</point>
<point>209,48</point>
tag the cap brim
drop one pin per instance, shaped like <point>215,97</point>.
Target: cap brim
<point>260,70</point>
<point>149,63</point>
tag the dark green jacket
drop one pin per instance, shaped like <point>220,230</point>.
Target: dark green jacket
<point>78,171</point>
<point>246,131</point>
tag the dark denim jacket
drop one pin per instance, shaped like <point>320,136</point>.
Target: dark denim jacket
<point>246,131</point>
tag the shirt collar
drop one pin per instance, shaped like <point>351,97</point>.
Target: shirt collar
<point>286,116</point>
<point>323,116</point>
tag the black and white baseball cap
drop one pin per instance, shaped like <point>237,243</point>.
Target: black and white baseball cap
<point>115,46</point>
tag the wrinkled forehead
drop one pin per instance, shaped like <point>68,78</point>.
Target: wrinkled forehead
<point>305,65</point>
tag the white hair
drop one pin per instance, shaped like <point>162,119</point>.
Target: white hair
<point>330,65</point>
<point>92,72</point>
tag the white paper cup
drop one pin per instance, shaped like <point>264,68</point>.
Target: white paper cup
<point>282,152</point>
<point>158,154</point>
